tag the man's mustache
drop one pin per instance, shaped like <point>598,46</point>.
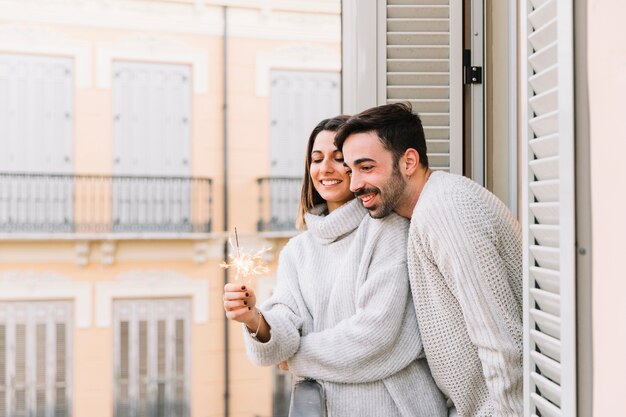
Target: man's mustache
<point>364,191</point>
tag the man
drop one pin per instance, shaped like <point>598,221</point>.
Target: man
<point>464,259</point>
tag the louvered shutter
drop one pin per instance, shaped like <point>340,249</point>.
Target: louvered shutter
<point>423,47</point>
<point>35,352</point>
<point>548,207</point>
<point>151,350</point>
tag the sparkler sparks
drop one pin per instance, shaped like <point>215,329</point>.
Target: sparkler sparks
<point>246,264</point>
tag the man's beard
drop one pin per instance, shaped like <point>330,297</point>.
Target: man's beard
<point>389,195</point>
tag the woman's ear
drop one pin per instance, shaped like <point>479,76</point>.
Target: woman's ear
<point>410,162</point>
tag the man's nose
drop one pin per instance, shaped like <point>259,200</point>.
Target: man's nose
<point>355,182</point>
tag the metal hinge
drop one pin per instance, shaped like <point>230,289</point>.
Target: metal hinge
<point>472,74</point>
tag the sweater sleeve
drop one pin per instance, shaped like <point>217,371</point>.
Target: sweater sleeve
<point>462,241</point>
<point>380,339</point>
<point>283,313</point>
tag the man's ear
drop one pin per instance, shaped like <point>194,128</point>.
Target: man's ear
<point>410,162</point>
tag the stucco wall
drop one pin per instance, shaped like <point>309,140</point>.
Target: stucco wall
<point>607,94</point>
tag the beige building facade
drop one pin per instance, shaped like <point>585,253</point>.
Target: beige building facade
<point>137,135</point>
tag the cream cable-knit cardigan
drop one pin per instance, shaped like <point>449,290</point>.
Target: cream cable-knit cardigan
<point>341,313</point>
<point>465,263</point>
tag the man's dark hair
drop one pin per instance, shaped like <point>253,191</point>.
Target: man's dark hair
<point>397,127</point>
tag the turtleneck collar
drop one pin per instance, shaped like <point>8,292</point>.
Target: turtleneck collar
<point>343,220</point>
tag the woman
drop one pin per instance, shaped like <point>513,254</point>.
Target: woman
<point>341,312</point>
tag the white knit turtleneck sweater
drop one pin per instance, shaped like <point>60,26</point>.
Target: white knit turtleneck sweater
<point>341,313</point>
<point>465,262</point>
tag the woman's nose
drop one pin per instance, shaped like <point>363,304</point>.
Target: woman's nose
<point>327,166</point>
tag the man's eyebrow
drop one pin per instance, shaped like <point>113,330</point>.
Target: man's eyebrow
<point>362,160</point>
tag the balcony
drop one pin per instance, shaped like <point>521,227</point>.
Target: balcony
<point>279,198</point>
<point>60,203</point>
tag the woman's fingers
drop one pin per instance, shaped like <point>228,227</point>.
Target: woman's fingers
<point>233,287</point>
<point>235,304</point>
<point>239,300</point>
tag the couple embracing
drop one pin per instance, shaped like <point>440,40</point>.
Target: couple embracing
<point>403,297</point>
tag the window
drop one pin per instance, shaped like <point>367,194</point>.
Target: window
<point>35,358</point>
<point>151,350</point>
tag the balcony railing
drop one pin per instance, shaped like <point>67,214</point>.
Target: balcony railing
<point>279,198</point>
<point>59,203</point>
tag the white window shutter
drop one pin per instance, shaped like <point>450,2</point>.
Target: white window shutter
<point>35,353</point>
<point>547,103</point>
<point>423,45</point>
<point>151,351</point>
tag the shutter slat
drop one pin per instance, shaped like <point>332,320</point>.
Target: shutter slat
<point>546,257</point>
<point>412,92</point>
<point>545,102</point>
<point>538,3</point>
<point>546,124</point>
<point>432,39</point>
<point>418,65</point>
<point>547,279</point>
<point>546,212</point>
<point>419,78</point>
<point>546,408</point>
<point>417,11</point>
<point>548,389</point>
<point>548,302</point>
<point>545,146</point>
<point>548,345</point>
<point>544,80</point>
<point>405,50</point>
<point>542,15</point>
<point>544,58</point>
<point>422,2</point>
<point>545,191</point>
<point>547,323</point>
<point>545,234</point>
<point>417,25</point>
<point>543,37</point>
<point>547,367</point>
<point>545,168</point>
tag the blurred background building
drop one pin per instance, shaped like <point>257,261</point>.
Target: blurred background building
<point>134,133</point>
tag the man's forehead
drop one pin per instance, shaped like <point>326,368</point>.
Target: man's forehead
<point>361,147</point>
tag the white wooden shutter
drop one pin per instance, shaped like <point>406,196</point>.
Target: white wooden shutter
<point>547,103</point>
<point>151,119</point>
<point>36,113</point>
<point>35,358</point>
<point>423,46</point>
<point>151,350</point>
<point>151,137</point>
<point>299,100</point>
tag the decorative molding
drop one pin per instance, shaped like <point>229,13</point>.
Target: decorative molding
<point>151,284</point>
<point>287,19</point>
<point>36,285</point>
<point>107,252</point>
<point>293,57</point>
<point>40,41</point>
<point>82,249</point>
<point>152,48</point>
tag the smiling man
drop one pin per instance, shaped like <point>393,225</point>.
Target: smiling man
<point>464,259</point>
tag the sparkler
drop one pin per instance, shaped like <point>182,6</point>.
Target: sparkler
<point>246,264</point>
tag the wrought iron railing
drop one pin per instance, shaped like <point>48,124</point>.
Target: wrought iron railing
<point>64,203</point>
<point>279,198</point>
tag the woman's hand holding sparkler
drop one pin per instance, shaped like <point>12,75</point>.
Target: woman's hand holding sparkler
<point>240,306</point>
